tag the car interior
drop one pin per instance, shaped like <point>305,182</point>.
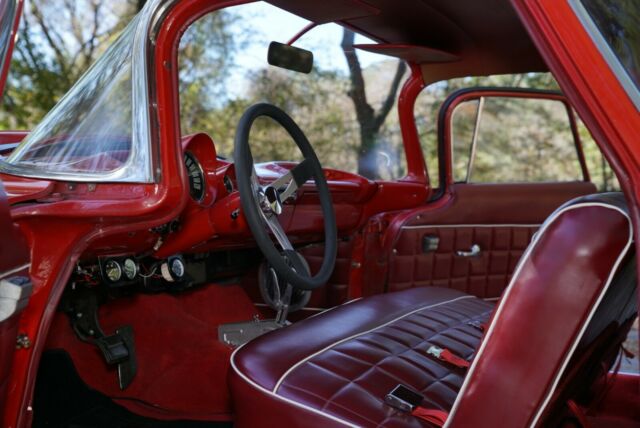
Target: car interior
<point>310,285</point>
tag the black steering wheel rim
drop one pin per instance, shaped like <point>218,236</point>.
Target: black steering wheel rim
<point>288,267</point>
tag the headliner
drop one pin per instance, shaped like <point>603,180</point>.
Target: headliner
<point>482,37</point>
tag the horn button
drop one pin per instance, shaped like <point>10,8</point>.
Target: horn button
<point>270,201</point>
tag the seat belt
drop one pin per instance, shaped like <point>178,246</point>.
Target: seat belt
<point>436,417</point>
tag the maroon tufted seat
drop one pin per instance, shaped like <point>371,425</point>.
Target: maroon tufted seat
<point>348,359</point>
<point>335,369</point>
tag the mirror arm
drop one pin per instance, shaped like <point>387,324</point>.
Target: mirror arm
<point>302,32</point>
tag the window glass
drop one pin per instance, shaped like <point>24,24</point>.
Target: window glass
<point>601,173</point>
<point>430,101</point>
<point>351,123</point>
<point>7,17</point>
<point>463,124</point>
<point>426,115</point>
<point>619,24</point>
<point>517,140</point>
<point>90,129</point>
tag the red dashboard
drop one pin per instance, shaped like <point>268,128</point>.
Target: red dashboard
<point>212,219</point>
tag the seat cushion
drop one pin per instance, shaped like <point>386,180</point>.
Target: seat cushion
<point>336,368</point>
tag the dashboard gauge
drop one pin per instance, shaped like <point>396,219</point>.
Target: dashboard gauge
<point>130,268</point>
<point>113,270</point>
<point>196,176</point>
<point>177,268</point>
<point>173,269</point>
<point>228,184</point>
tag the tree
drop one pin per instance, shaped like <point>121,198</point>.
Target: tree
<point>370,120</point>
<point>58,40</point>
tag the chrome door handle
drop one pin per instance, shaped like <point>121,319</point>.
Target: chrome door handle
<point>473,252</point>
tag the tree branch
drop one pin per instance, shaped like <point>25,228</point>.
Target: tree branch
<point>50,36</point>
<point>357,93</point>
<point>91,43</point>
<point>390,100</point>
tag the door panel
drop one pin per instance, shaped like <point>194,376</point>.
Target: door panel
<point>15,288</point>
<point>499,218</point>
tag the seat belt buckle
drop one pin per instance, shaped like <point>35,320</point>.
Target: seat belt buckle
<point>435,351</point>
<point>409,401</point>
<point>403,398</point>
<point>443,354</point>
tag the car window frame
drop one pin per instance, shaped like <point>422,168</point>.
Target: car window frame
<point>444,130</point>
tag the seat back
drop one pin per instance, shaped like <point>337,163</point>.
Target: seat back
<point>574,284</point>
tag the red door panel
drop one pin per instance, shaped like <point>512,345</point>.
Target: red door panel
<point>499,219</point>
<point>15,289</point>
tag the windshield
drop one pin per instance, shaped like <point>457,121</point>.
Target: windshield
<point>99,130</point>
<point>7,18</point>
<point>90,129</point>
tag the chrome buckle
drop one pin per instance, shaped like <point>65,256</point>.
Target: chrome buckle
<point>435,351</point>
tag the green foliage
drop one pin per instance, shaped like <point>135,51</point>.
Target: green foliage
<point>214,93</point>
<point>58,40</point>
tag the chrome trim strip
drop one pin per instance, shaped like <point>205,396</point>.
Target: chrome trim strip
<point>474,139</point>
<point>610,57</point>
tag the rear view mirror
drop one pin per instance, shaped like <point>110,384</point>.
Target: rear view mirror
<point>289,57</point>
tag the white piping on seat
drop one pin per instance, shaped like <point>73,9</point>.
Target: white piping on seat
<point>15,270</point>
<point>503,301</point>
<point>281,398</point>
<point>326,348</point>
<point>443,226</point>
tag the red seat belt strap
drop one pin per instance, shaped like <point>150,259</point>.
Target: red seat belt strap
<point>436,417</point>
<point>446,355</point>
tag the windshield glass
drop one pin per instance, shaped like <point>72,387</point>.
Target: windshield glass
<point>91,133</point>
<point>89,130</point>
<point>7,17</point>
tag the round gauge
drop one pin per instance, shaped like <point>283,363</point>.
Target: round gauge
<point>130,268</point>
<point>196,176</point>
<point>113,270</point>
<point>228,184</point>
<point>177,268</point>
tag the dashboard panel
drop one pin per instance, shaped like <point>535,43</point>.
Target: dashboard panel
<point>212,219</point>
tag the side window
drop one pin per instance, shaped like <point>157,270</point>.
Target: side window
<point>601,173</point>
<point>513,140</point>
<point>346,106</point>
<point>618,23</point>
<point>430,100</point>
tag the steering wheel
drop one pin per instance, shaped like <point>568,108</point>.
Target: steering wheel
<point>262,204</point>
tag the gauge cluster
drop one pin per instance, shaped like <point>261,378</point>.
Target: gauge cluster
<point>146,272</point>
<point>119,271</point>
<point>152,275</point>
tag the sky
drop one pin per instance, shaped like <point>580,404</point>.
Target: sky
<point>274,24</point>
